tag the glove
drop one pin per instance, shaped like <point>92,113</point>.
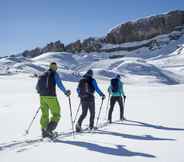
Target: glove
<point>103,96</point>
<point>68,93</point>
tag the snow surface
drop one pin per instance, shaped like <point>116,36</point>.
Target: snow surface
<point>153,132</point>
<point>153,74</point>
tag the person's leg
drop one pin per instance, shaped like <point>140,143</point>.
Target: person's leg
<point>112,103</point>
<point>92,113</point>
<point>121,106</point>
<point>55,111</point>
<point>85,105</point>
<point>44,121</point>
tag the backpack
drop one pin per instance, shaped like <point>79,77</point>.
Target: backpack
<point>85,87</point>
<point>42,82</point>
<point>115,85</point>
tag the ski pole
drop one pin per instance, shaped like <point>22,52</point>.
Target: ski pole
<point>71,114</point>
<point>99,114</point>
<point>31,123</point>
<point>107,106</point>
<point>77,113</point>
<point>124,99</point>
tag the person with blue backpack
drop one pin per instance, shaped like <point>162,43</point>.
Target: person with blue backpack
<point>117,95</point>
<point>46,87</point>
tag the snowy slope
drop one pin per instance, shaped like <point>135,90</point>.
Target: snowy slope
<point>173,63</point>
<point>153,132</point>
<point>156,61</point>
<point>64,60</point>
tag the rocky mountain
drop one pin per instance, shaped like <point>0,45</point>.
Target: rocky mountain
<point>139,30</point>
<point>146,28</point>
<point>53,46</point>
<point>153,59</point>
<point>157,60</point>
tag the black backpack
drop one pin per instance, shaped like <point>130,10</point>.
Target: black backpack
<point>85,87</point>
<point>42,83</point>
<point>115,85</point>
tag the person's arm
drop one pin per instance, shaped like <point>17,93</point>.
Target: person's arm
<point>59,83</point>
<point>110,90</point>
<point>78,91</point>
<point>97,89</point>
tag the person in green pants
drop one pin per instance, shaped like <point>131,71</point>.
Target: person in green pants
<point>46,87</point>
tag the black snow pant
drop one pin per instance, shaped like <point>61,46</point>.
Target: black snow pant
<point>113,100</point>
<point>87,104</point>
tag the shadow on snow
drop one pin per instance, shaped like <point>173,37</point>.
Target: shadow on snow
<point>134,137</point>
<point>21,146</point>
<point>118,150</point>
<point>148,125</point>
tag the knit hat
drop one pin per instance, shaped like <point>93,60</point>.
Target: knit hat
<point>89,73</point>
<point>118,76</point>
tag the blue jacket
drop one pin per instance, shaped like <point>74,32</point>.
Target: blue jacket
<point>120,92</point>
<point>95,86</point>
<point>59,82</point>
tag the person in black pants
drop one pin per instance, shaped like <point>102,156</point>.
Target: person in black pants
<point>87,104</point>
<point>116,91</point>
<point>86,88</point>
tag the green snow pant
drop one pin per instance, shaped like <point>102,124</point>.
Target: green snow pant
<point>49,103</point>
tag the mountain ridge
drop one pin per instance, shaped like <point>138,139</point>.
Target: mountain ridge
<point>158,60</point>
<point>131,31</point>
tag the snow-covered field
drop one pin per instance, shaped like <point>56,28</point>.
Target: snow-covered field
<point>153,132</point>
<point>153,75</point>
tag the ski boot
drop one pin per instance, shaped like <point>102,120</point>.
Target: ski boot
<point>78,128</point>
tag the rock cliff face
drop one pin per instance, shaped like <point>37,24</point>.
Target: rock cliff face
<point>146,28</point>
<point>74,47</point>
<point>139,30</point>
<point>51,47</point>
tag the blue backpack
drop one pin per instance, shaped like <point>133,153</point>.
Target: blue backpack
<point>115,85</point>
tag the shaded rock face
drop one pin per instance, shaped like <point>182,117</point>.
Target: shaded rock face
<point>146,28</point>
<point>74,47</point>
<point>88,45</point>
<point>91,45</point>
<point>54,47</point>
<point>51,47</point>
<point>32,53</point>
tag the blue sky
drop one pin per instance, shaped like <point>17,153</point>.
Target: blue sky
<point>26,24</point>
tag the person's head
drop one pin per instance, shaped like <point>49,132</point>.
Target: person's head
<point>53,66</point>
<point>89,73</point>
<point>118,76</point>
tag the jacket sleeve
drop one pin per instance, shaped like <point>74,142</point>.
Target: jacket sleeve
<point>110,90</point>
<point>94,83</point>
<point>78,91</point>
<point>59,82</point>
<point>121,89</point>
